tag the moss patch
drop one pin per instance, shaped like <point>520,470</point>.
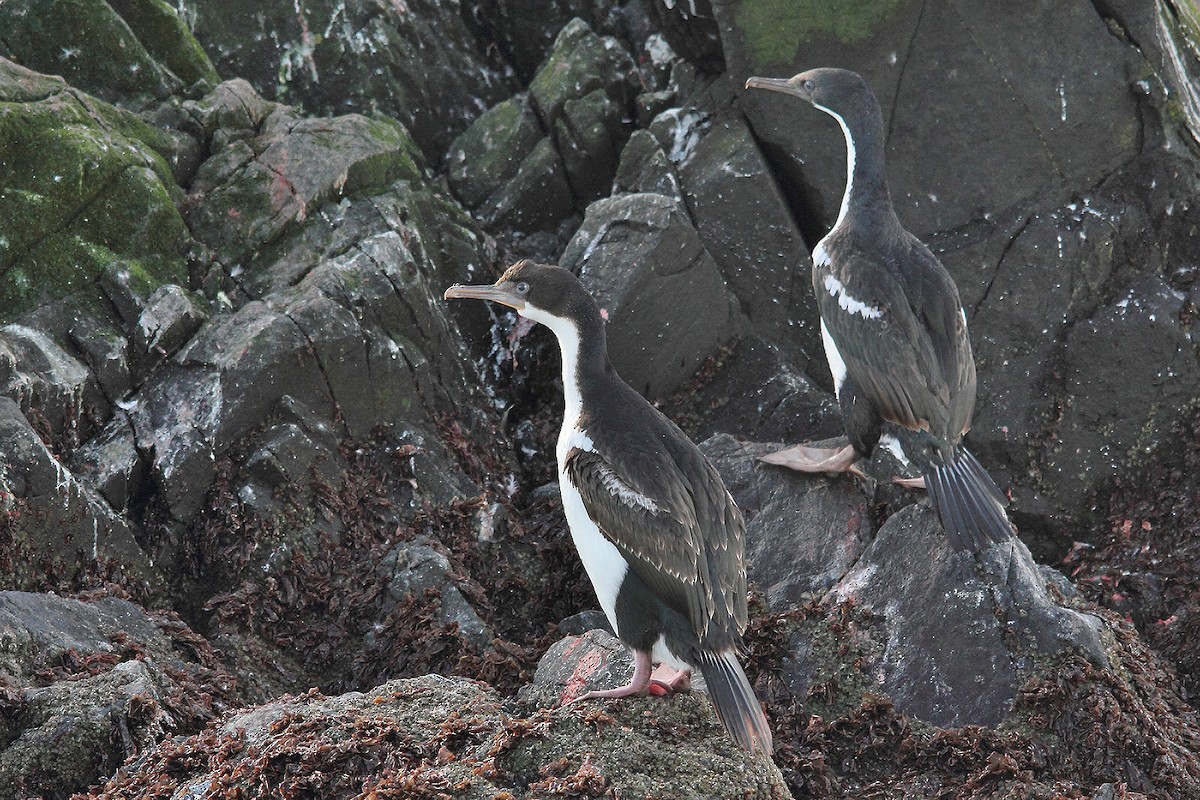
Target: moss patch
<point>775,29</point>
<point>76,195</point>
<point>167,38</point>
<point>86,42</point>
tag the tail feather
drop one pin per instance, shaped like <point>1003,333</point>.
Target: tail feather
<point>968,502</point>
<point>732,696</point>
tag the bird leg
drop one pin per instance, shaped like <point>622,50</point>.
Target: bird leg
<point>816,459</point>
<point>638,684</point>
<point>668,680</point>
<point>911,483</point>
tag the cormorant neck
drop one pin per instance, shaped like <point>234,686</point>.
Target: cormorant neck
<point>866,197</point>
<point>582,345</point>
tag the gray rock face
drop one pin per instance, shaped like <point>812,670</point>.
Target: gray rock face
<point>954,648</point>
<point>416,568</point>
<point>1049,222</point>
<point>52,515</point>
<point>418,62</point>
<point>87,685</point>
<point>667,305</point>
<point>802,535</point>
<point>531,160</point>
<point>746,226</point>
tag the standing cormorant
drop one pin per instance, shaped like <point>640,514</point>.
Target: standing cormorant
<point>659,535</point>
<point>894,330</point>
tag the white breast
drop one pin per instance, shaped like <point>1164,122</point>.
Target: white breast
<point>837,364</point>
<point>605,565</point>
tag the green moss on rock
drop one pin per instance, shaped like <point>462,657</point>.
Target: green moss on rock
<point>77,194</point>
<point>84,41</point>
<point>168,39</point>
<point>775,29</point>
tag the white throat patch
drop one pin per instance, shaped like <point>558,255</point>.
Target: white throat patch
<point>849,162</point>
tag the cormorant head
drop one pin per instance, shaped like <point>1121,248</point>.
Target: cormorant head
<point>541,292</point>
<point>829,89</point>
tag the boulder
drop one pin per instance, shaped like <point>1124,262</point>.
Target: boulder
<point>746,225</point>
<point>667,305</point>
<point>87,685</point>
<point>419,62</point>
<point>803,532</point>
<point>536,157</point>
<point>124,49</point>
<point>454,737</point>
<point>487,155</point>
<point>52,524</point>
<point>644,168</point>
<point>274,168</point>
<point>85,186</point>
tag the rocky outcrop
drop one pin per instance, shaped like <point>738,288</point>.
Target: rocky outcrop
<point>231,387</point>
<point>84,686</point>
<point>455,738</point>
<point>417,62</point>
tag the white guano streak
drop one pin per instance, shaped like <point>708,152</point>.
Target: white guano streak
<point>848,303</point>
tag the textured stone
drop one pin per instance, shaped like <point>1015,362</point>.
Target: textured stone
<point>667,305</point>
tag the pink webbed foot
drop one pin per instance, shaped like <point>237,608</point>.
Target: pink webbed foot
<point>911,483</point>
<point>639,684</point>
<point>803,458</point>
<point>668,680</point>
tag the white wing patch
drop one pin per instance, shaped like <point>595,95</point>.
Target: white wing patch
<point>624,492</point>
<point>848,303</point>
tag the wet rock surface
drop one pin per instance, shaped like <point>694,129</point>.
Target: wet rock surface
<point>231,388</point>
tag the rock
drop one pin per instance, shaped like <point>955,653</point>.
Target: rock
<point>952,638</point>
<point>1045,126</point>
<point>110,462</point>
<point>115,50</point>
<point>803,532</point>
<point>691,30</point>
<point>644,168</point>
<point>51,522</point>
<point>749,389</point>
<point>257,186</point>
<point>87,685</point>
<point>580,63</point>
<point>419,62</point>
<point>85,186</point>
<point>105,350</point>
<point>537,198</point>
<point>39,374</point>
<point>632,252</point>
<point>579,100</point>
<point>746,225</point>
<point>598,660</point>
<point>588,137</point>
<point>1135,343</point>
<point>416,569</point>
<point>169,320</point>
<point>575,665</point>
<point>484,750</point>
<point>487,155</point>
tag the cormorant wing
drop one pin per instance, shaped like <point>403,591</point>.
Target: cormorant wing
<point>671,517</point>
<point>900,330</point>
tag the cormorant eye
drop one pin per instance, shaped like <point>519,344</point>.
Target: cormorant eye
<point>807,84</point>
<point>522,288</point>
